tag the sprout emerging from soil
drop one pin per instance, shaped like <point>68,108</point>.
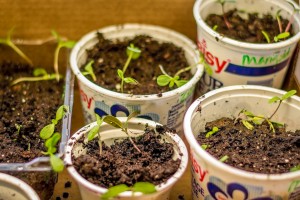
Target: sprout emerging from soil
<point>61,42</point>
<point>115,122</point>
<point>89,70</point>
<point>222,2</point>
<point>143,187</point>
<point>133,53</point>
<point>47,133</point>
<point>7,41</point>
<point>96,131</point>
<point>166,79</point>
<point>39,74</point>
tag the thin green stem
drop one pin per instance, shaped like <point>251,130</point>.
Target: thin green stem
<point>183,70</point>
<point>56,53</point>
<point>124,69</point>
<point>18,51</point>
<point>31,79</point>
<point>275,110</point>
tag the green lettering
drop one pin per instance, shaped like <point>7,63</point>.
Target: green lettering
<point>249,60</point>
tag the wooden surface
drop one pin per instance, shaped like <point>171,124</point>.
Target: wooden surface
<point>182,187</point>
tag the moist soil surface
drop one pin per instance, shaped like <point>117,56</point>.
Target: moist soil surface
<point>25,108</point>
<point>110,55</point>
<point>258,150</point>
<point>121,163</point>
<point>247,29</point>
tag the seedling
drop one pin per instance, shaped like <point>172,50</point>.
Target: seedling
<point>249,119</point>
<point>60,44</point>
<point>222,2</point>
<point>166,79</point>
<point>204,146</point>
<point>295,10</point>
<point>266,35</point>
<point>89,70</point>
<point>224,158</point>
<point>133,53</point>
<point>278,18</point>
<point>115,122</point>
<point>96,130</point>
<point>143,187</point>
<point>277,38</point>
<point>213,131</point>
<point>47,133</point>
<point>7,41</point>
<point>39,74</point>
<point>207,67</point>
<point>294,169</point>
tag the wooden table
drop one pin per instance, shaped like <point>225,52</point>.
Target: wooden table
<point>182,187</point>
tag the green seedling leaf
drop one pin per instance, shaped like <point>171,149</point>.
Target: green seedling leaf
<point>224,158</point>
<point>288,94</point>
<point>266,35</point>
<point>133,52</point>
<point>89,70</point>
<point>215,27</point>
<point>93,132</point>
<point>61,112</point>
<point>130,80</point>
<point>47,131</point>
<point>248,125</point>
<point>114,191</point>
<point>204,146</point>
<point>52,141</point>
<point>213,131</point>
<point>120,74</point>
<point>56,163</point>
<point>132,115</point>
<point>39,72</point>
<point>281,36</point>
<point>163,80</point>
<point>274,99</point>
<point>144,187</point>
<point>113,121</point>
<point>294,169</point>
<point>180,83</point>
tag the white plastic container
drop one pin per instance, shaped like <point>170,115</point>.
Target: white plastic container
<point>108,133</point>
<point>168,109</point>
<point>12,188</point>
<point>239,63</point>
<point>228,102</point>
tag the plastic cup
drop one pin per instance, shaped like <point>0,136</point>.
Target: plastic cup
<point>167,109</point>
<point>239,63</point>
<point>212,178</point>
<point>108,133</point>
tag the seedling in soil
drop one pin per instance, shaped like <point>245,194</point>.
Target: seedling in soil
<point>278,18</point>
<point>47,133</point>
<point>204,146</point>
<point>89,70</point>
<point>60,44</point>
<point>249,119</point>
<point>39,74</point>
<point>143,187</point>
<point>166,79</point>
<point>224,158</point>
<point>213,131</point>
<point>7,41</point>
<point>133,53</point>
<point>96,130</point>
<point>115,122</point>
<point>222,2</point>
<point>295,10</point>
<point>277,38</point>
<point>294,169</point>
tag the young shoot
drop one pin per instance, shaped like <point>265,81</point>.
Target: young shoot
<point>222,2</point>
<point>96,131</point>
<point>133,53</point>
<point>278,18</point>
<point>47,133</point>
<point>61,42</point>
<point>281,36</point>
<point>89,70</point>
<point>295,10</point>
<point>224,158</point>
<point>39,74</point>
<point>213,131</point>
<point>266,35</point>
<point>143,187</point>
<point>204,146</point>
<point>7,41</point>
<point>207,67</point>
<point>115,122</point>
<point>249,119</point>
<point>166,79</point>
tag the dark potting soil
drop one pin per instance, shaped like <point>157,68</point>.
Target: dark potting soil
<point>110,55</point>
<point>121,163</point>
<point>249,29</point>
<point>258,150</point>
<point>25,108</point>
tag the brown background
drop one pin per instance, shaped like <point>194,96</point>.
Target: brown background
<point>74,18</point>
